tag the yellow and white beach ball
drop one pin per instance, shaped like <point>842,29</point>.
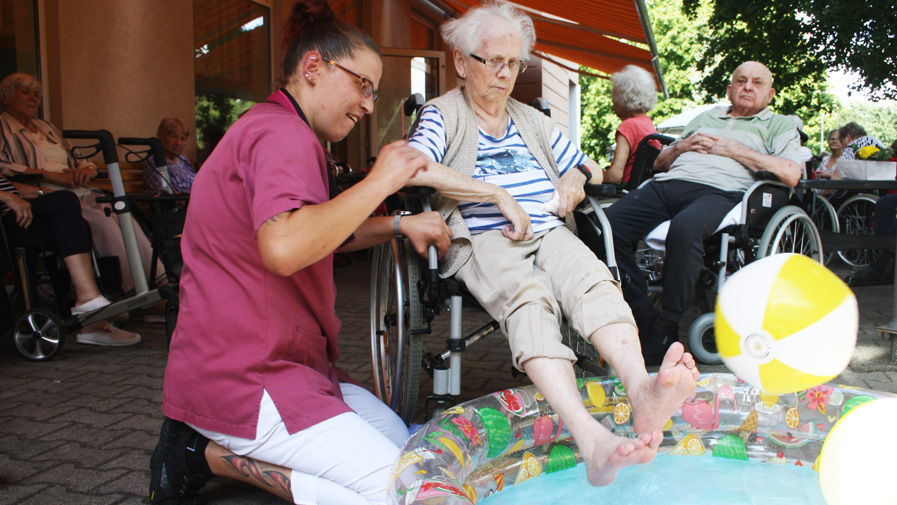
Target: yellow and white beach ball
<point>785,323</point>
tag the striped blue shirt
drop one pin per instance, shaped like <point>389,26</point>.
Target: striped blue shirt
<point>505,162</point>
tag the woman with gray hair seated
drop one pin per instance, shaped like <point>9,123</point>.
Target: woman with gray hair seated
<point>634,95</point>
<point>496,164</point>
<point>178,173</point>
<point>853,138</point>
<point>32,145</point>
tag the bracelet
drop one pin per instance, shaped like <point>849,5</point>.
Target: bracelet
<point>395,225</point>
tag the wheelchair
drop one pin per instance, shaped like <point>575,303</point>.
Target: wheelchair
<point>406,296</point>
<point>39,334</point>
<point>766,222</point>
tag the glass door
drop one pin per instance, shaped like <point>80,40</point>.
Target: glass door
<point>405,72</point>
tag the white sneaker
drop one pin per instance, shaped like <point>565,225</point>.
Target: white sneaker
<point>108,336</point>
<point>95,304</point>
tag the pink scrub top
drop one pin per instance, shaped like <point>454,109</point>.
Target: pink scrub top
<point>242,329</point>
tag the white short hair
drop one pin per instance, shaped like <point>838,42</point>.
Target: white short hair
<point>466,32</point>
<point>634,89</point>
<point>11,81</point>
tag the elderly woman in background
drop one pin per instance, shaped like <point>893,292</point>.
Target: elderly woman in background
<point>853,138</point>
<point>31,145</point>
<point>496,163</point>
<point>828,167</point>
<point>173,134</point>
<point>634,95</point>
<point>53,221</point>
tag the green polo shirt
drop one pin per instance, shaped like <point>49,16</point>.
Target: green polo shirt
<point>764,132</point>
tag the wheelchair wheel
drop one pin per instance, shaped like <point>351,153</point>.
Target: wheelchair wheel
<point>396,350</point>
<point>702,340</point>
<point>824,215</point>
<point>38,335</point>
<point>855,217</point>
<point>790,230</point>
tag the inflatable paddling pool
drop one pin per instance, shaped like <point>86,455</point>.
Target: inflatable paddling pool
<point>483,446</point>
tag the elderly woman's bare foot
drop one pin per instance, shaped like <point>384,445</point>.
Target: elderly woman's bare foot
<point>663,394</point>
<point>607,454</point>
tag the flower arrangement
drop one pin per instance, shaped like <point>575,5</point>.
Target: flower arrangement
<point>872,153</point>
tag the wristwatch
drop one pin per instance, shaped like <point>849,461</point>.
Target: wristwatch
<point>585,171</point>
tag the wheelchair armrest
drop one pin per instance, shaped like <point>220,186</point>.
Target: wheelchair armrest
<point>601,189</point>
<point>766,175</point>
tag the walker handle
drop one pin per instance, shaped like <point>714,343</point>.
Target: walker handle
<point>107,143</point>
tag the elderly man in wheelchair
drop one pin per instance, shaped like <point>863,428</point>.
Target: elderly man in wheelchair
<point>703,176</point>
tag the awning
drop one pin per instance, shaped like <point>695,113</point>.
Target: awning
<point>605,35</point>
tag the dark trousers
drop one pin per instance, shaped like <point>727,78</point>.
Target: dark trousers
<point>694,210</point>
<point>57,225</point>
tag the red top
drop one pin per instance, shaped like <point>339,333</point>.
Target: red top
<point>242,329</point>
<point>634,129</point>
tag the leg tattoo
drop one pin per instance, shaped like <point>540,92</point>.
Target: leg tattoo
<point>263,475</point>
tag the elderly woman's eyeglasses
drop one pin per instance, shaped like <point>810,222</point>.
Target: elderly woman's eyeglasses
<point>495,65</point>
<point>367,87</point>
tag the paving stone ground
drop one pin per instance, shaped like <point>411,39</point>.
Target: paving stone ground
<point>79,429</point>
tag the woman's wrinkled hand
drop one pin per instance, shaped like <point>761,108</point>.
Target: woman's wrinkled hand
<point>571,191</point>
<point>81,176</point>
<point>425,229</point>
<point>520,228</point>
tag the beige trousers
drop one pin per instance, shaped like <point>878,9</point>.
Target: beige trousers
<point>528,286</point>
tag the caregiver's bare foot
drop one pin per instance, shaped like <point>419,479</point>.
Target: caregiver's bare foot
<point>655,402</point>
<point>607,454</point>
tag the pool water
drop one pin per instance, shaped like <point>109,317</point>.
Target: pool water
<point>674,480</point>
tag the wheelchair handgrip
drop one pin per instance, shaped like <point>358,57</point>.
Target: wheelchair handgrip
<point>154,144</point>
<point>107,143</point>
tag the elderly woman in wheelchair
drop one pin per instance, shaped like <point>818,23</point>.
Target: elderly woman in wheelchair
<point>496,165</point>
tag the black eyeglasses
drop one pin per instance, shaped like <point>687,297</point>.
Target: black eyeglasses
<point>495,65</point>
<point>367,87</point>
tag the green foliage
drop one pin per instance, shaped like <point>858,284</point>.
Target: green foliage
<point>217,110</point>
<point>857,36</point>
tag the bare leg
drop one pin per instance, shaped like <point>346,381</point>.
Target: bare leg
<point>272,478</point>
<point>604,453</point>
<point>81,271</point>
<point>654,399</point>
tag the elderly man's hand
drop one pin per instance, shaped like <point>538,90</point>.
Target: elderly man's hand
<point>520,227</point>
<point>424,229</point>
<point>571,190</point>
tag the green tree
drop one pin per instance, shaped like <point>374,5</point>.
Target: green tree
<point>859,37</point>
<point>219,110</point>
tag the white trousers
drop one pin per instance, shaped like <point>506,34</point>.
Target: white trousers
<point>344,460</point>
